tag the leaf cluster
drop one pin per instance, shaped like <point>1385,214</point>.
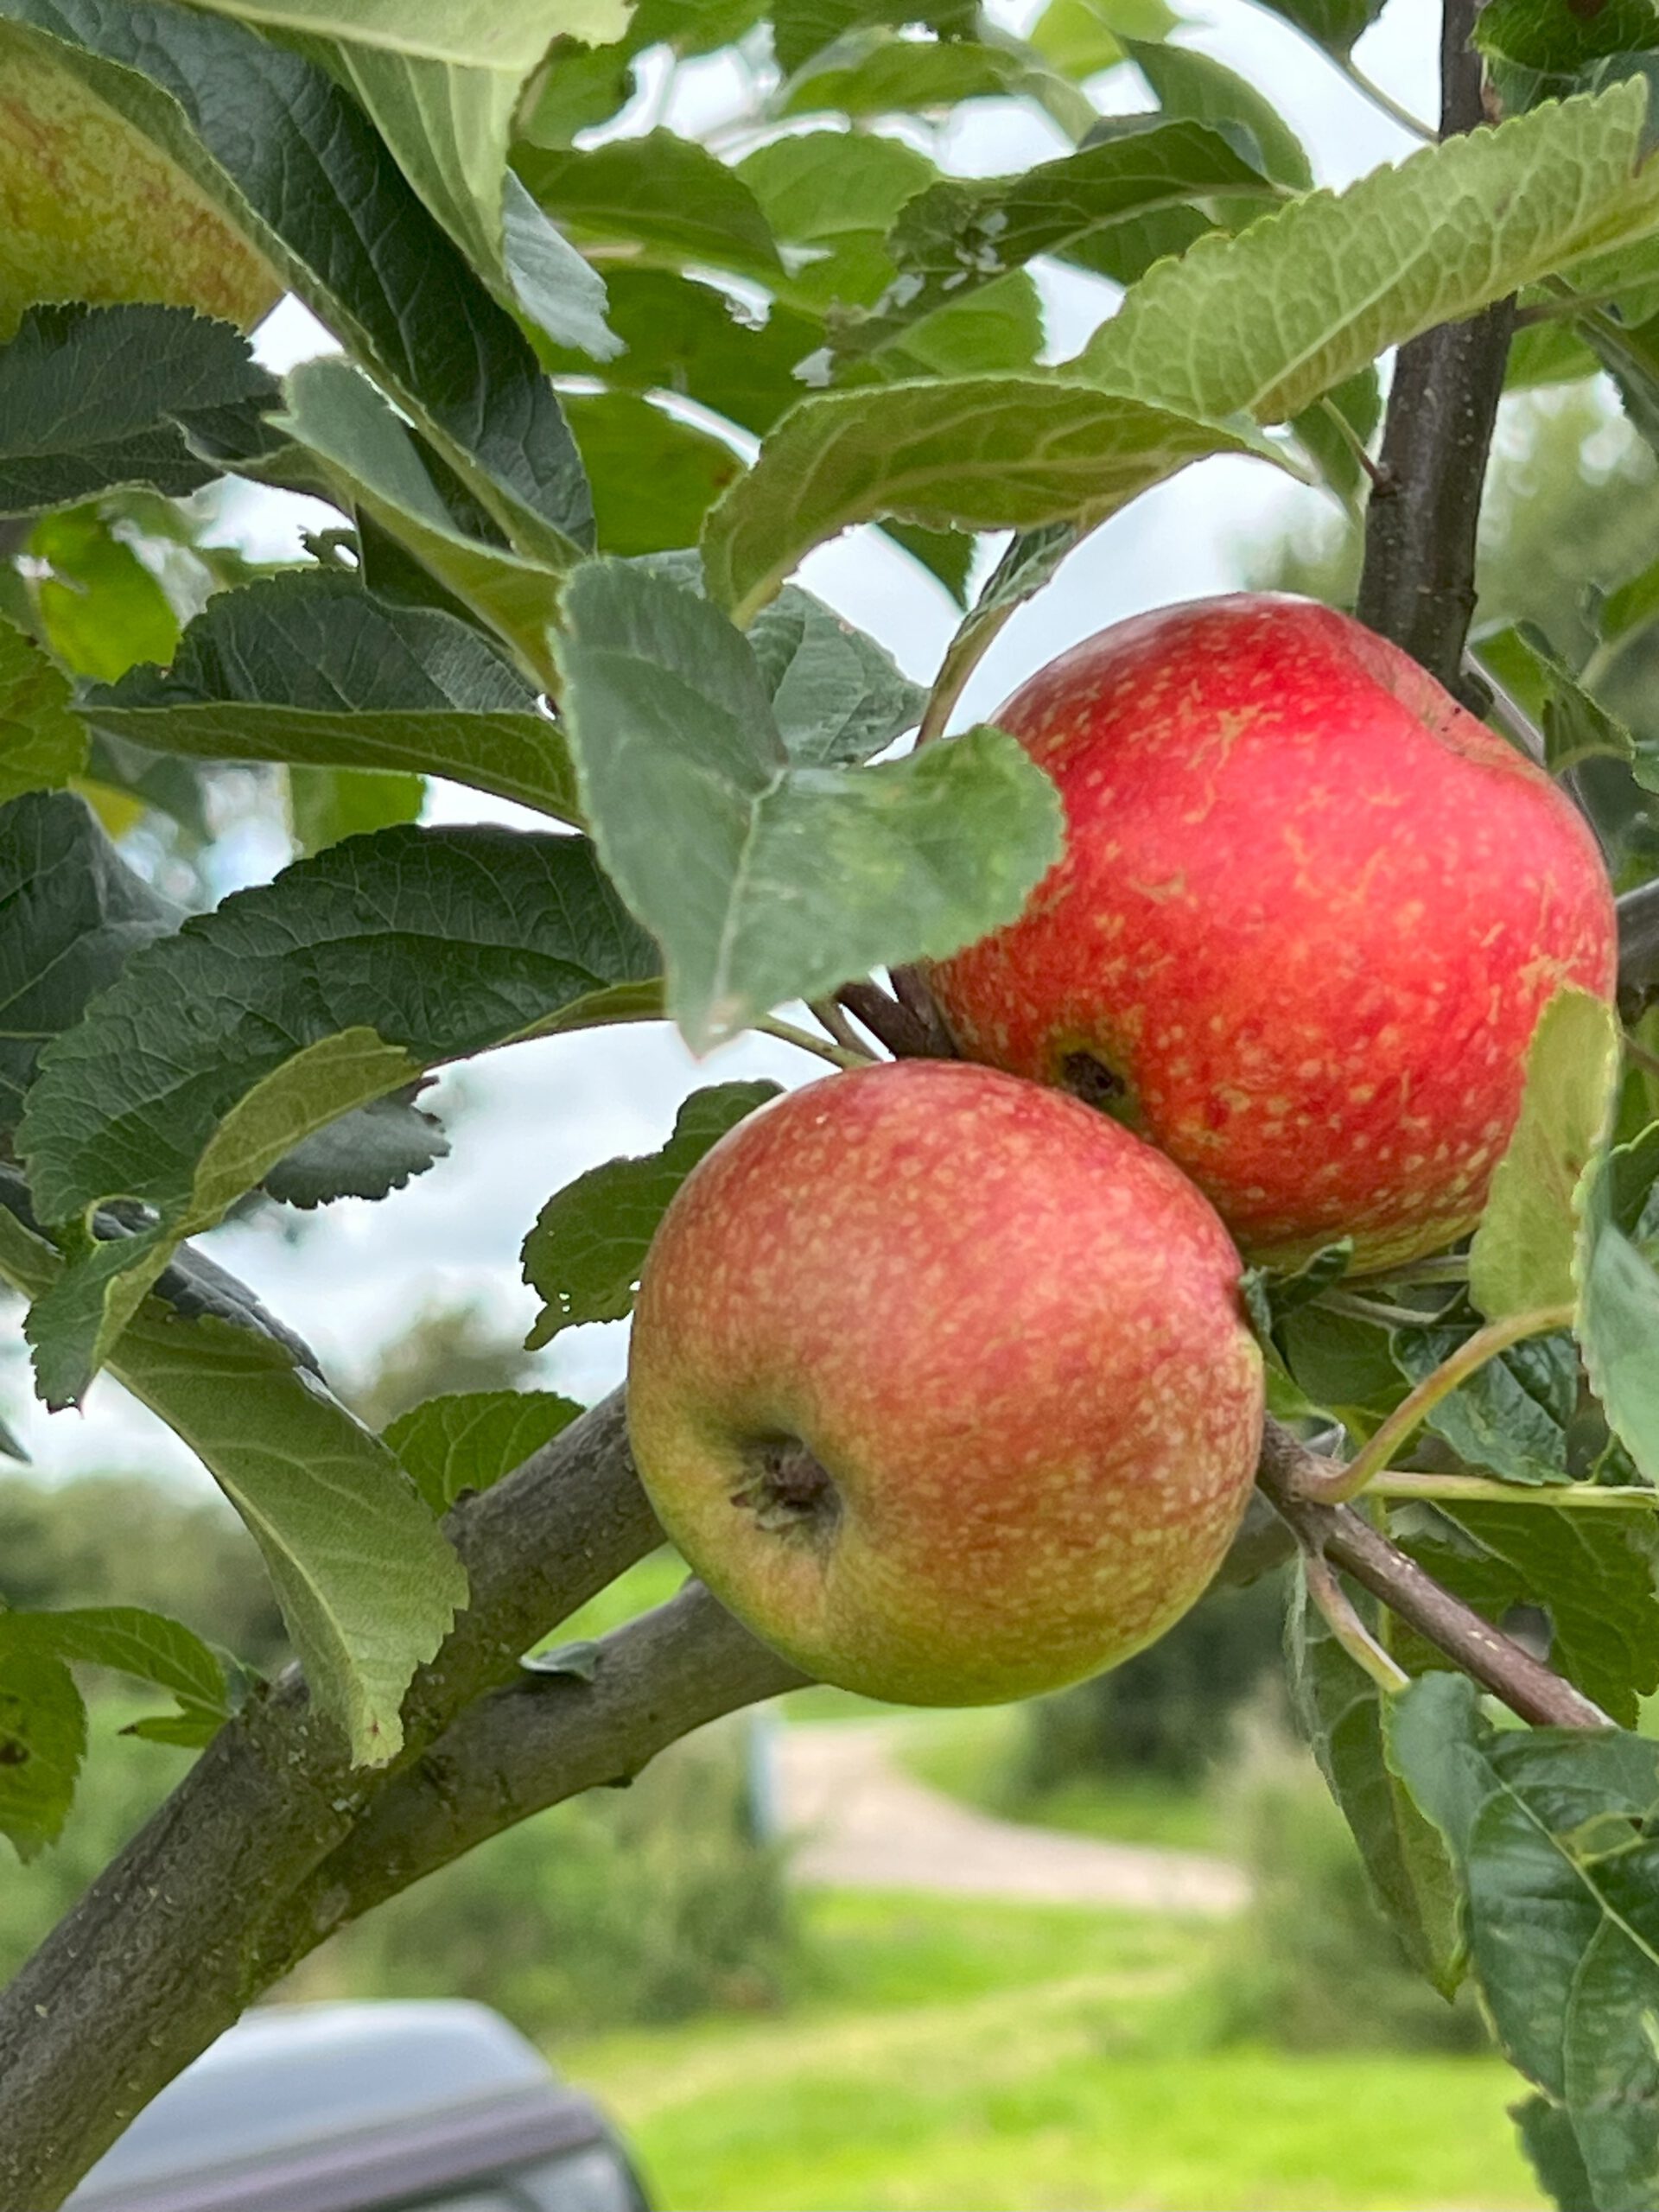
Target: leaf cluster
<point>599,392</point>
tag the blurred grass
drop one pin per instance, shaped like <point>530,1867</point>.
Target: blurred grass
<point>1008,2059</point>
<point>973,1756</point>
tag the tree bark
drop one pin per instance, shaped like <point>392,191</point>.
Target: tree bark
<point>160,1955</point>
<point>531,1744</point>
<point>1417,586</point>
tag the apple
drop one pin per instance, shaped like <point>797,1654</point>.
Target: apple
<point>1308,915</point>
<point>941,1382</point>
<point>91,210</point>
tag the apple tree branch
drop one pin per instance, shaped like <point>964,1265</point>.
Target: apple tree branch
<point>1417,585</point>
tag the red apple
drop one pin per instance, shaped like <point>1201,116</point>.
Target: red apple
<point>940,1381</point>
<point>1309,913</point>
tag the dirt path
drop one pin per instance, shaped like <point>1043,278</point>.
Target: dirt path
<point>865,1824</point>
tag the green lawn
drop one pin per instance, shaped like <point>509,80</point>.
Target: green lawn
<point>972,1755</point>
<point>1014,2059</point>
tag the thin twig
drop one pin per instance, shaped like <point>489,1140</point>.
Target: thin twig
<point>910,988</point>
<point>1345,1624</point>
<point>1348,1541</point>
<point>786,1033</point>
<point>835,1022</point>
<point>888,1022</point>
<point>1336,1485</point>
<point>1386,101</point>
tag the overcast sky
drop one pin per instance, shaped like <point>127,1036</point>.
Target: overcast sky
<point>526,1120</point>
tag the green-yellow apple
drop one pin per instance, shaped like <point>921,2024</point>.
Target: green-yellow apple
<point>1309,913</point>
<point>940,1381</point>
<point>91,210</point>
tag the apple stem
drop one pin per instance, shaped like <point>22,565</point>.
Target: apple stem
<point>1405,1483</point>
<point>828,1014</point>
<point>1339,1485</point>
<point>1346,1539</point>
<point>839,1056</point>
<point>1345,1624</point>
<point>888,1022</point>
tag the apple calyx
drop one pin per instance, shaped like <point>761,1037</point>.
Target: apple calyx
<point>791,1493</point>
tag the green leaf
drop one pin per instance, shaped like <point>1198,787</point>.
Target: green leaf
<point>1522,1258</point>
<point>584,1255</point>
<point>803,27</point>
<point>691,341</point>
<point>1335,24</point>
<point>653,476</point>
<point>1554,1833</point>
<point>43,1742</point>
<point>101,607</point>
<point>1343,1364</point>
<point>1576,726</point>
<point>1000,326</point>
<point>95,398</point>
<point>450,127</point>
<point>74,914</point>
<point>877,73</point>
<point>1547,2138</point>
<point>367,458</point>
<point>291,162</point>
<point>469,1440</point>
<point>366,1154</point>
<point>1619,1321</point>
<point>678,752</point>
<point>1271,1296</point>
<point>312,668</point>
<point>1512,1414</point>
<point>128,1640</point>
<point>834,194</point>
<point>1538,49</point>
<point>219,1050</point>
<point>1329,431</point>
<point>837,696</point>
<point>947,554</point>
<point>1630,356</point>
<point>478,34</point>
<point>1098,207</point>
<point>42,744</point>
<point>1343,1715</point>
<point>667,196</point>
<point>1266,322</point>
<point>986,452</point>
<point>1190,87</point>
<point>325,805</point>
<point>1081,37</point>
<point>1591,1570</point>
<point>368,1585</point>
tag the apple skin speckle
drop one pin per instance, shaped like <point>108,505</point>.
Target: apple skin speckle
<point>1010,1333</point>
<point>1327,1027</point>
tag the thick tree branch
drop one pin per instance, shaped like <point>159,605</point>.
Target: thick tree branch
<point>159,1956</point>
<point>543,1739</point>
<point>1348,1540</point>
<point>1417,586</point>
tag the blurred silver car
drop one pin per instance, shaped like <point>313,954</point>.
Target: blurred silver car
<point>382,2107</point>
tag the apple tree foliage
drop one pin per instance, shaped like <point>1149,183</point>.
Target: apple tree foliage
<point>598,389</point>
